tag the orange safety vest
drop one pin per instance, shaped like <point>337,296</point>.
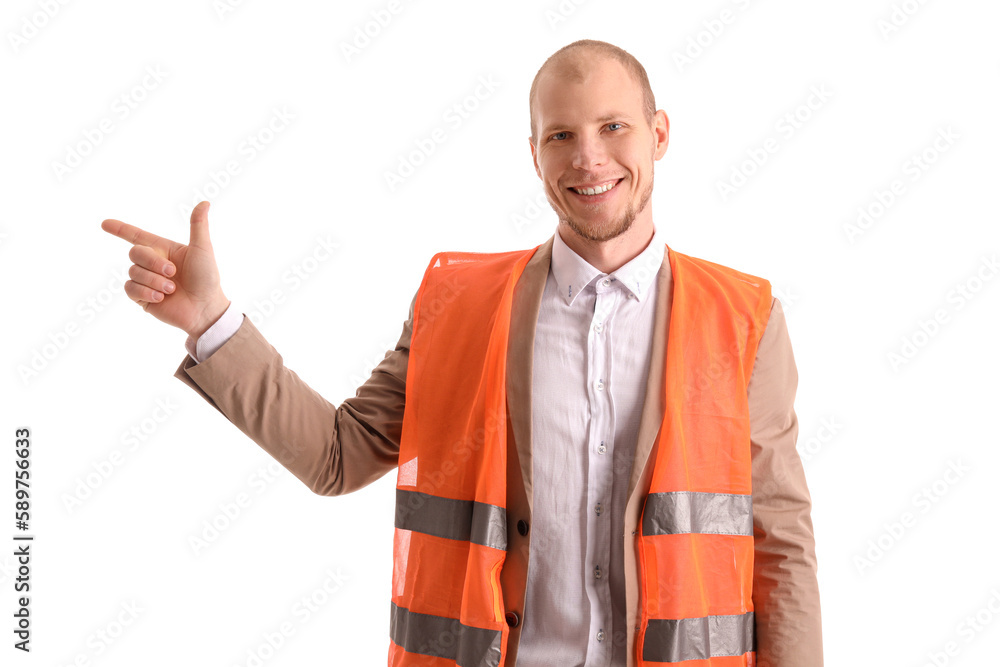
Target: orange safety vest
<point>695,545</point>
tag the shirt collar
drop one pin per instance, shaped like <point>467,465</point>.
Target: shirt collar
<point>573,273</point>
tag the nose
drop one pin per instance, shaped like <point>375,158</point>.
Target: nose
<point>589,153</point>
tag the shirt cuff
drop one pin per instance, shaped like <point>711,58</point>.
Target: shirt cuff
<point>217,334</point>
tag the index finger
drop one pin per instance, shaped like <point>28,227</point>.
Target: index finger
<point>134,235</point>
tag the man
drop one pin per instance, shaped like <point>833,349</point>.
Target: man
<point>613,412</point>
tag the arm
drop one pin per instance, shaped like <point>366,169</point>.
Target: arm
<point>785,588</point>
<point>333,450</point>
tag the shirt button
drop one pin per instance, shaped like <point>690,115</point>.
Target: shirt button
<point>600,385</point>
<point>599,327</point>
<point>597,509</point>
<point>600,635</point>
<point>513,620</point>
<point>597,572</point>
<point>601,448</point>
<point>606,282</point>
<point>522,527</point>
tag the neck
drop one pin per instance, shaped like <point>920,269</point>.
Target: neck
<point>609,256</point>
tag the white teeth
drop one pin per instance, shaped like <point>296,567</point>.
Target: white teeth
<point>595,191</point>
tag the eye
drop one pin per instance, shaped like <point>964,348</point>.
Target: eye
<point>611,128</point>
<point>556,136</point>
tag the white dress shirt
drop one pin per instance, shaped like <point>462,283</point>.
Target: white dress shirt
<point>592,347</point>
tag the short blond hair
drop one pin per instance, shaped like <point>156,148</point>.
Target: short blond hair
<point>564,60</point>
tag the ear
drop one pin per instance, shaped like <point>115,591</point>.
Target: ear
<point>534,157</point>
<point>661,133</point>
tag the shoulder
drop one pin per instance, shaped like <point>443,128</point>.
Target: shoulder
<point>731,288</point>
<point>468,283</point>
<point>453,261</point>
<point>454,270</point>
<point>721,272</point>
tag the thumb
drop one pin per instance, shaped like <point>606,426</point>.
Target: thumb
<point>199,226</point>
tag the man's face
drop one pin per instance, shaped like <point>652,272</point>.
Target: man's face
<point>593,134</point>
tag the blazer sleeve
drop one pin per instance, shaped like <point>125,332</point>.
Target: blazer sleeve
<point>785,587</point>
<point>333,450</point>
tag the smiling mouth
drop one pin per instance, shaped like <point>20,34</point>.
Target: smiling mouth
<point>601,189</point>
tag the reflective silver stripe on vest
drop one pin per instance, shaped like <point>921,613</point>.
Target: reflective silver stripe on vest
<point>697,512</point>
<point>444,638</point>
<point>467,520</point>
<point>698,638</point>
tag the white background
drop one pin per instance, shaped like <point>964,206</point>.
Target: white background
<point>873,433</point>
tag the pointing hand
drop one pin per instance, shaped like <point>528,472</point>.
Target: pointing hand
<point>175,283</point>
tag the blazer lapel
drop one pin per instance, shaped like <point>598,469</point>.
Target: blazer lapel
<point>520,348</point>
<point>652,409</point>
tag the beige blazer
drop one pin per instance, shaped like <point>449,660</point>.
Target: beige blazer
<point>336,450</point>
